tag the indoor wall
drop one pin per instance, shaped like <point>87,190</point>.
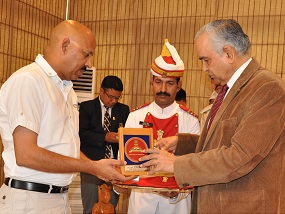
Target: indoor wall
<point>130,35</point>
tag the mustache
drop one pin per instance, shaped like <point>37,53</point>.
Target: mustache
<point>84,68</point>
<point>161,93</point>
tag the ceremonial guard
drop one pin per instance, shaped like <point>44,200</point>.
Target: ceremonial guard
<point>167,118</point>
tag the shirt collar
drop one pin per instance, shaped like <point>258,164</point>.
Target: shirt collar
<point>165,110</point>
<point>40,60</point>
<point>237,74</point>
<point>48,70</point>
<point>102,104</point>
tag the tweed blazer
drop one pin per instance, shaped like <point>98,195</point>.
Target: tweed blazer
<point>239,165</point>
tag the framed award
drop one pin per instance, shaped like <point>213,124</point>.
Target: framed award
<point>132,143</point>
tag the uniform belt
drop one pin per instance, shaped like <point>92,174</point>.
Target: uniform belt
<point>31,186</point>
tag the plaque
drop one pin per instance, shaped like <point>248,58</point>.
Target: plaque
<point>132,143</point>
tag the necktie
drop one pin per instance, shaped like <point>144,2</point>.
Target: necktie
<point>107,126</point>
<point>107,120</point>
<point>218,103</point>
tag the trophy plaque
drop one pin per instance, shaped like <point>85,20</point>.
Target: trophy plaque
<point>132,143</point>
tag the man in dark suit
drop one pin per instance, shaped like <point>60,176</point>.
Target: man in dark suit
<point>99,140</point>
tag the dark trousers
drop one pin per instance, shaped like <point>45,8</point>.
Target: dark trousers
<point>89,192</point>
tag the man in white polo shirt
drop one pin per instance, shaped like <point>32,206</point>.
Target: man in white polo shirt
<point>39,126</point>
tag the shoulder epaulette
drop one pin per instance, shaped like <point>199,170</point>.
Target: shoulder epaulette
<point>144,105</point>
<point>188,110</point>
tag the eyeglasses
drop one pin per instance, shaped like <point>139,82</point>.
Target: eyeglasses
<point>111,97</point>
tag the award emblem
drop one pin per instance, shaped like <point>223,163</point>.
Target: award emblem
<point>159,136</point>
<point>134,147</point>
<point>132,143</point>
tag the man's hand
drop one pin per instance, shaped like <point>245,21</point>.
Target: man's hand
<point>112,137</point>
<point>168,143</point>
<point>162,161</point>
<point>108,170</point>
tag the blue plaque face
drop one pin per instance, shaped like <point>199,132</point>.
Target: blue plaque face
<point>132,143</point>
<point>134,147</point>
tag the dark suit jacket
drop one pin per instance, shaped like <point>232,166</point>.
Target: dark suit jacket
<point>239,165</point>
<point>91,131</point>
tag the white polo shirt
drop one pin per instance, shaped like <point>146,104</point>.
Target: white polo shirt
<point>36,98</point>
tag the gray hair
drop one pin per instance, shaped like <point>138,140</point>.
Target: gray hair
<point>226,32</point>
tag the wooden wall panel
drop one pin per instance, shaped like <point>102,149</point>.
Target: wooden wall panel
<point>130,35</point>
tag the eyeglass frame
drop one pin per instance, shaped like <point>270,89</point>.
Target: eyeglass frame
<point>111,97</point>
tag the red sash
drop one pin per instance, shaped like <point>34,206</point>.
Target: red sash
<point>157,182</point>
<point>161,128</point>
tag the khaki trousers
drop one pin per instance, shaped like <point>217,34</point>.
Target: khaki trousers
<point>17,201</point>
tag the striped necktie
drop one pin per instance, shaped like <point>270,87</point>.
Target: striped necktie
<point>107,126</point>
<point>107,120</point>
<point>218,103</point>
